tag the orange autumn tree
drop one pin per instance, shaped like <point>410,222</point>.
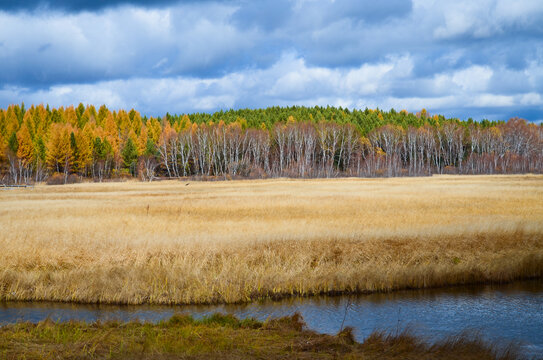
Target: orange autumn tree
<point>25,151</point>
<point>59,149</point>
<point>3,155</point>
<point>85,147</point>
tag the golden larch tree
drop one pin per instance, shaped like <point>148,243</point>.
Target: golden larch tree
<point>154,129</point>
<point>25,151</point>
<point>142,140</point>
<point>85,147</point>
<point>59,151</point>
<point>137,123</point>
<point>70,116</point>
<point>3,147</point>
<point>12,123</point>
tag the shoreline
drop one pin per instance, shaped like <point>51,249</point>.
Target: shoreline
<point>278,298</point>
<point>220,336</point>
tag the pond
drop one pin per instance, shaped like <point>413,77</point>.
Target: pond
<point>502,313</point>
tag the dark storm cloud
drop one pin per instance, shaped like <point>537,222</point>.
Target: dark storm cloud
<point>270,15</point>
<point>329,33</point>
<point>265,15</point>
<point>368,11</point>
<point>192,39</point>
<point>79,5</point>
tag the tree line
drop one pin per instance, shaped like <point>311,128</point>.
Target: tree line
<point>40,143</point>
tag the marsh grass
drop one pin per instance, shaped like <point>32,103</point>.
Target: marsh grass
<point>226,337</point>
<point>236,241</point>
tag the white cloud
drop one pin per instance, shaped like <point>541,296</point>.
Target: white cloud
<point>474,78</point>
<point>484,18</point>
<point>417,103</point>
<point>531,99</point>
<point>492,100</point>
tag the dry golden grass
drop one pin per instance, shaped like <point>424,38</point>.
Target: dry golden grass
<point>166,242</point>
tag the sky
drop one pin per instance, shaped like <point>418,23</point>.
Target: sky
<point>461,58</point>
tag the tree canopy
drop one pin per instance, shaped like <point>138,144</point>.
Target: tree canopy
<point>296,141</point>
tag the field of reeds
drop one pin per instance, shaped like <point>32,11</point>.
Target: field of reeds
<point>177,242</point>
<point>225,337</point>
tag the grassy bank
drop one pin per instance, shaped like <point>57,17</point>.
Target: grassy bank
<point>225,337</point>
<point>170,242</point>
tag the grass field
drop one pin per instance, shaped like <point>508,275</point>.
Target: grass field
<point>225,337</point>
<point>169,242</point>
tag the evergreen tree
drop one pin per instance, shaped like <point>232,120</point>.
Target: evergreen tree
<point>40,149</point>
<point>130,156</point>
<point>13,143</point>
<point>150,149</point>
<point>79,111</point>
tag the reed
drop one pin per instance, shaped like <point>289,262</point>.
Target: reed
<point>236,241</point>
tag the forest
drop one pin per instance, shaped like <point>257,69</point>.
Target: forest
<point>67,144</point>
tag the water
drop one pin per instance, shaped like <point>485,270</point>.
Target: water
<point>502,313</point>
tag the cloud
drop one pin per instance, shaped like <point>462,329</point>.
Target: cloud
<point>179,56</point>
<point>308,15</point>
<point>291,81</point>
<point>119,43</point>
<point>78,5</point>
<point>474,78</point>
<point>488,18</point>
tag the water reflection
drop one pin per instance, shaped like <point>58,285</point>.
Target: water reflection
<point>501,312</point>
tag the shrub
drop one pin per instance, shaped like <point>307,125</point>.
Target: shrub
<point>73,179</point>
<point>60,179</point>
<point>55,179</point>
